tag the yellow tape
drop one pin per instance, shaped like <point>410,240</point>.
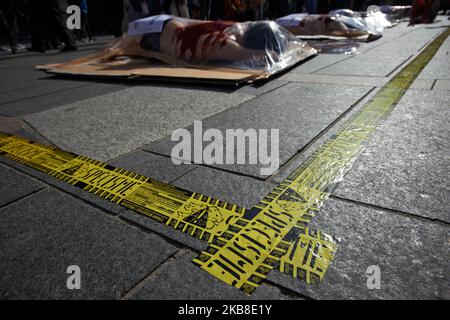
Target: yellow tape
<point>245,245</point>
<point>245,259</point>
<point>195,214</point>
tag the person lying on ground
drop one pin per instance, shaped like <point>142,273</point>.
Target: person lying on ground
<point>201,42</point>
<point>323,25</point>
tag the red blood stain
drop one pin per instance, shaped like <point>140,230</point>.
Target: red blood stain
<point>189,36</point>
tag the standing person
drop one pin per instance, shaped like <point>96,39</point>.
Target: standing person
<point>299,6</point>
<point>57,17</point>
<point>8,22</point>
<point>154,7</point>
<point>357,5</point>
<point>137,9</point>
<point>285,8</point>
<point>233,10</point>
<point>116,16</point>
<point>38,15</point>
<point>311,6</point>
<point>217,9</point>
<point>49,15</point>
<point>204,9</point>
<point>258,9</point>
<point>274,9</point>
<point>85,32</point>
<point>324,6</point>
<point>424,11</point>
<point>341,4</point>
<point>179,8</point>
<point>278,8</point>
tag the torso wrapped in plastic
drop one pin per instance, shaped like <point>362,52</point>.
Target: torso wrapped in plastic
<point>340,23</point>
<point>262,45</point>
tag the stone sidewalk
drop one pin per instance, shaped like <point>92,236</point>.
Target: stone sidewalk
<point>392,210</point>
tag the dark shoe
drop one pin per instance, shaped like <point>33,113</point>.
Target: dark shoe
<point>68,48</point>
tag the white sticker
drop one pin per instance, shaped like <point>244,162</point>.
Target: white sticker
<point>151,24</point>
<point>292,20</point>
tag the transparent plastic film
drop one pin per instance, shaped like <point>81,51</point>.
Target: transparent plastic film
<point>324,25</point>
<point>255,46</point>
<point>341,46</point>
<point>375,21</point>
<point>338,24</point>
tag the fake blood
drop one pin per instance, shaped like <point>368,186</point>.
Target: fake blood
<point>189,36</point>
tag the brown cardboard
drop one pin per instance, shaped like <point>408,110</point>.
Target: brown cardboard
<point>143,68</point>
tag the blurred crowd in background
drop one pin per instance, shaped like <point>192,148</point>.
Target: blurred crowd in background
<point>43,22</point>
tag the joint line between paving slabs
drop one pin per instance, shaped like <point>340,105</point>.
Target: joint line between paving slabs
<point>395,211</point>
<point>22,198</point>
<point>128,294</point>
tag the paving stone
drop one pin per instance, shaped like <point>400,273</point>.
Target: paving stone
<point>92,199</point>
<point>300,157</point>
<point>153,166</point>
<point>333,79</point>
<point>39,242</point>
<point>59,98</point>
<point>412,255</point>
<point>14,185</point>
<point>391,34</point>
<point>180,279</point>
<point>299,111</point>
<point>424,84</point>
<point>406,164</point>
<point>235,189</point>
<point>30,93</point>
<point>258,89</point>
<point>383,60</point>
<point>15,87</point>
<point>18,127</point>
<point>352,80</point>
<point>317,63</point>
<point>177,238</point>
<point>11,76</point>
<point>442,85</point>
<point>439,66</point>
<point>128,119</point>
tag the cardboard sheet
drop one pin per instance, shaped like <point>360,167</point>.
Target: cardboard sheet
<point>170,48</point>
<point>154,69</point>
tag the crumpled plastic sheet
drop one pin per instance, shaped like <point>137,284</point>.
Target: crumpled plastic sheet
<point>373,22</point>
<point>260,45</point>
<point>335,46</point>
<point>338,24</point>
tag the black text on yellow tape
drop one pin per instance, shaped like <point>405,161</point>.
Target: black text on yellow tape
<point>245,257</point>
<point>307,253</point>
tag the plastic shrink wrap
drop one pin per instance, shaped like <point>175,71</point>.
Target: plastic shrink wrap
<point>258,46</point>
<point>338,24</point>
